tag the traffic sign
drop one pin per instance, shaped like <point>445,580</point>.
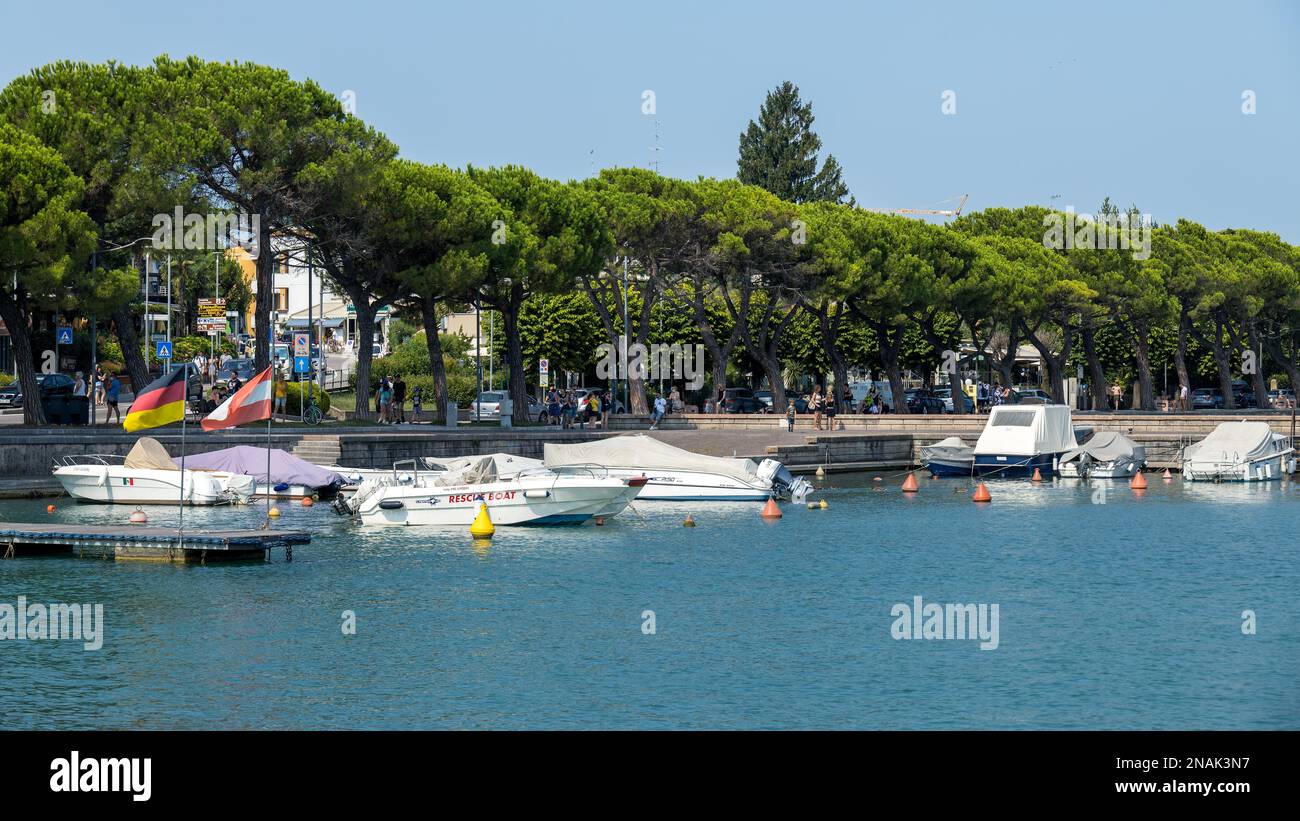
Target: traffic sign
<point>302,344</point>
<point>65,335</point>
<point>301,364</point>
<point>544,373</point>
<point>164,350</point>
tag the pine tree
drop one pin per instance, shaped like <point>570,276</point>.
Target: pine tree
<point>779,152</point>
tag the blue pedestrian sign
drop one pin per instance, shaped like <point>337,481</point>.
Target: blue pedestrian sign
<point>301,364</point>
<point>164,350</point>
<point>65,335</point>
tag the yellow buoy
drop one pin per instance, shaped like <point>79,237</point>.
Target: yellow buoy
<point>689,521</point>
<point>823,504</point>
<point>482,527</point>
<point>821,472</point>
<point>274,512</point>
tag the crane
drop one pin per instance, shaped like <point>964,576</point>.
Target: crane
<point>956,212</point>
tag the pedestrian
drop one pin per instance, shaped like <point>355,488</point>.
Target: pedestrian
<point>661,405</point>
<point>399,399</point>
<point>593,408</point>
<point>553,406</point>
<point>674,401</point>
<point>385,400</point>
<point>789,415</point>
<point>606,408</point>
<point>99,384</point>
<point>233,384</point>
<point>847,399</point>
<point>1182,398</point>
<point>417,403</point>
<point>817,407</point>
<point>567,410</point>
<point>111,394</point>
<point>281,393</point>
<point>830,402</point>
<point>79,385</point>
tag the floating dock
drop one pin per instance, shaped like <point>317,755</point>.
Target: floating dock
<point>149,544</point>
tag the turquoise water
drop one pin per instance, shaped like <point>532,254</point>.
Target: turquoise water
<point>1125,614</point>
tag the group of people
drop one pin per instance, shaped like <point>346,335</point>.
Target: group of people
<point>105,388</point>
<point>992,394</point>
<point>390,401</point>
<point>572,407</point>
<point>825,405</point>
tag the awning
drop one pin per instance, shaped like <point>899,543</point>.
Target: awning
<point>324,323</point>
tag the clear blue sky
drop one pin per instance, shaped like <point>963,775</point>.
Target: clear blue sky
<point>1139,101</point>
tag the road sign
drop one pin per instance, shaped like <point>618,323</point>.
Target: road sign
<point>164,350</point>
<point>302,344</point>
<point>65,334</point>
<point>301,364</point>
<point>544,373</point>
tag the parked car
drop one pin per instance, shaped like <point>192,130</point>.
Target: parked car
<point>242,368</point>
<point>1207,399</point>
<point>945,395</point>
<point>51,384</point>
<point>743,404</point>
<point>580,395</point>
<point>1031,396</point>
<point>488,406</point>
<point>923,400</point>
<point>1283,398</point>
<point>194,383</point>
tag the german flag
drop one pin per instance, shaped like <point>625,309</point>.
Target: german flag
<point>160,403</point>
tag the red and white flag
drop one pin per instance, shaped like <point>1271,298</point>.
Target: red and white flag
<point>248,404</point>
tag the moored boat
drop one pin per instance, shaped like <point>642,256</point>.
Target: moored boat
<point>148,476</point>
<point>1106,455</point>
<point>1239,452</point>
<point>1019,439</point>
<point>949,457</point>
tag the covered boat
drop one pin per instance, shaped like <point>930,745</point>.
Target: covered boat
<point>1106,455</point>
<point>290,476</point>
<point>147,475</point>
<point>949,457</point>
<point>410,496</point>
<point>672,473</point>
<point>1239,451</point>
<point>1021,438</point>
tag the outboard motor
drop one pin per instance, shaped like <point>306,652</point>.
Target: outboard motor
<point>784,484</point>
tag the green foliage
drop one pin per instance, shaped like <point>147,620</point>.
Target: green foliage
<point>779,152</point>
<point>296,398</point>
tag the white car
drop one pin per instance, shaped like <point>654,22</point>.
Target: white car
<point>489,402</point>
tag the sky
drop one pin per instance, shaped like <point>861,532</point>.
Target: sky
<point>1055,104</point>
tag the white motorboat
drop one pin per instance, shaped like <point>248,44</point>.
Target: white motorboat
<point>148,476</point>
<point>675,474</point>
<point>1106,455</point>
<point>949,457</point>
<point>1019,439</point>
<point>410,496</point>
<point>1239,452</point>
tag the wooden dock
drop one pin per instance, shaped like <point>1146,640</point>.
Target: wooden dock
<point>149,544</point>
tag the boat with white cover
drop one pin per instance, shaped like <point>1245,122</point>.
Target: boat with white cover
<point>672,473</point>
<point>411,496</point>
<point>148,476</point>
<point>1239,452</point>
<point>1018,439</point>
<point>949,457</point>
<point>1106,455</point>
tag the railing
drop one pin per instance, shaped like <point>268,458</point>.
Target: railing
<point>73,460</point>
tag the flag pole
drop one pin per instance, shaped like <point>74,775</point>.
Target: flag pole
<point>184,401</point>
<point>269,417</point>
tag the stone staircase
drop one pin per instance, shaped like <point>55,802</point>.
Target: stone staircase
<point>319,449</point>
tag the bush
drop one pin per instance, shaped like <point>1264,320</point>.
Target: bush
<point>296,398</point>
<point>6,379</point>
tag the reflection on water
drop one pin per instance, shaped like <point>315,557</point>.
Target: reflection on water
<point>1117,610</point>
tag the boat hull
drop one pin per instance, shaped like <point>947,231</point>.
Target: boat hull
<point>1014,466</point>
<point>1267,469</point>
<point>539,501</point>
<point>686,486</point>
<point>107,484</point>
<point>1100,470</point>
<point>948,467</point>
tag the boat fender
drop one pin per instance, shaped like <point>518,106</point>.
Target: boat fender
<point>536,494</point>
<point>391,504</point>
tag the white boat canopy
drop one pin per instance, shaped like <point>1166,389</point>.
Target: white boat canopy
<point>149,454</point>
<point>1107,446</point>
<point>1026,430</point>
<point>642,452</point>
<point>951,448</point>
<point>1235,442</point>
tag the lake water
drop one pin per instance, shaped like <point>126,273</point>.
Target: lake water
<point>1123,614</point>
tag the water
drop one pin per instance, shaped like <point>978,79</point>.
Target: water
<point>1125,614</point>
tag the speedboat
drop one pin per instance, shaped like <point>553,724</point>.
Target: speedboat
<point>290,477</point>
<point>949,457</point>
<point>453,497</point>
<point>675,474</point>
<point>1107,455</point>
<point>1019,439</point>
<point>1239,452</point>
<point>148,476</point>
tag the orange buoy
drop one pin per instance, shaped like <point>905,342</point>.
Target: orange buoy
<point>307,501</point>
<point>49,508</point>
<point>770,510</point>
<point>910,485</point>
<point>1038,477</point>
<point>982,494</point>
<point>1139,481</point>
<point>1167,476</point>
<point>934,477</point>
<point>600,521</point>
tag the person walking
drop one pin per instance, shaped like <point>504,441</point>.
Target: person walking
<point>789,415</point>
<point>111,394</point>
<point>280,391</point>
<point>99,384</point>
<point>1182,398</point>
<point>417,403</point>
<point>399,399</point>
<point>386,401</point>
<point>606,408</point>
<point>661,405</point>
<point>568,409</point>
<point>593,408</point>
<point>553,406</point>
<point>816,403</point>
